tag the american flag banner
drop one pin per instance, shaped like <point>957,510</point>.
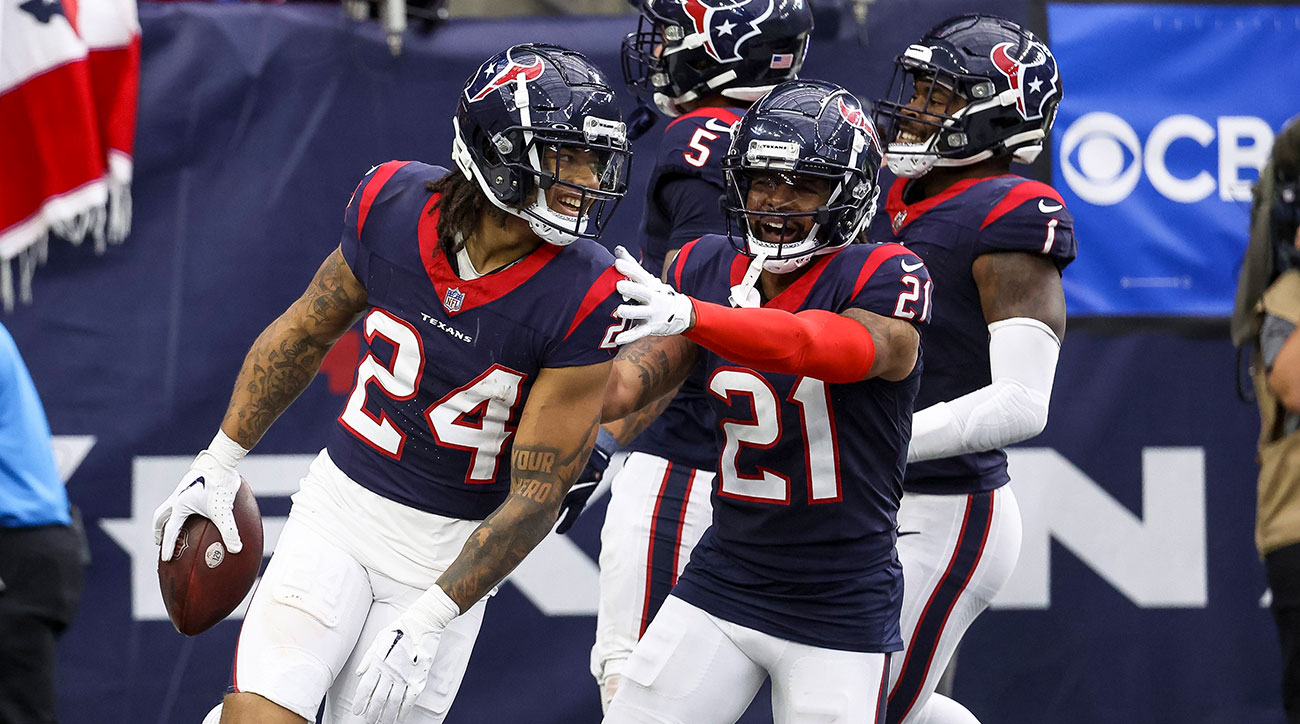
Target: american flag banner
<point>111,29</point>
<point>69,75</point>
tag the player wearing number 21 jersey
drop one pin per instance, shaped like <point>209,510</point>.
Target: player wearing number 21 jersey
<point>659,498</point>
<point>487,313</point>
<point>810,347</point>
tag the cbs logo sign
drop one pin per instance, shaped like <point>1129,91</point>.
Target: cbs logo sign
<point>1103,159</point>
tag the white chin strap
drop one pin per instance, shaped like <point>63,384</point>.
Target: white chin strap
<point>910,160</point>
<point>744,294</point>
<point>668,106</point>
<point>785,266</point>
<point>550,227</point>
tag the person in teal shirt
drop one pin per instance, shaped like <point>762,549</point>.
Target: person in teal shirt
<point>42,550</point>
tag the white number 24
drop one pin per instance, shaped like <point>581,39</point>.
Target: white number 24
<point>492,397</point>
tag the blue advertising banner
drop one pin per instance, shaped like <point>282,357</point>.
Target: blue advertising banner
<point>1169,113</point>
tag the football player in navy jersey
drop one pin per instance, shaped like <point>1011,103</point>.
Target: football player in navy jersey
<point>697,67</point>
<point>810,350</point>
<point>488,317</point>
<point>972,96</point>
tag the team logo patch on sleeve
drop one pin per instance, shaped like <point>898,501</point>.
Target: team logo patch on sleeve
<point>453,299</point>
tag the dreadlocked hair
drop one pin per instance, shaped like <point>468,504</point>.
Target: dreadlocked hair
<point>460,207</point>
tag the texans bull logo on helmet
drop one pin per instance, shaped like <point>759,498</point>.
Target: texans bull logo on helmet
<point>496,76</point>
<point>723,37</point>
<point>1033,82</point>
<point>854,116</point>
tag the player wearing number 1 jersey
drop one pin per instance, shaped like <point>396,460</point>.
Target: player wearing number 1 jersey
<point>701,71</point>
<point>487,312</point>
<point>974,94</point>
<point>810,349</point>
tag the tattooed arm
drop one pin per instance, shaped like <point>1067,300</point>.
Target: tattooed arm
<point>555,435</point>
<point>646,371</point>
<point>287,354</point>
<point>626,429</point>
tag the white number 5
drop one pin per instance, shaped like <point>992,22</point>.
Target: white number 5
<point>697,143</point>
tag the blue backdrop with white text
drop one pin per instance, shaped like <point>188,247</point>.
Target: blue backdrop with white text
<point>1169,112</point>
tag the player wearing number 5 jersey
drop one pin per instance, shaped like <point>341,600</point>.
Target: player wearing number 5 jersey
<point>971,96</point>
<point>811,355</point>
<point>487,317</point>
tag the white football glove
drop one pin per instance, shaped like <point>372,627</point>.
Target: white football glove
<point>208,488</point>
<point>396,667</point>
<point>659,310</point>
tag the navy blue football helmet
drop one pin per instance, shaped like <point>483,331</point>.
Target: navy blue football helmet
<point>802,132</point>
<point>524,114</point>
<point>1005,88</point>
<point>683,50</point>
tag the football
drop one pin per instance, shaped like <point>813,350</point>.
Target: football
<point>203,582</point>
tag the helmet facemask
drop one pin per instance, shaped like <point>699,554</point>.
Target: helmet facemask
<point>792,209</point>
<point>925,122</point>
<point>577,178</point>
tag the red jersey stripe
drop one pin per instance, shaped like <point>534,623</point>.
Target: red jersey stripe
<point>382,174</point>
<point>1019,195</point>
<point>600,290</point>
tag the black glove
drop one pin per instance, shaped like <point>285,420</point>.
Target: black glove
<point>580,494</point>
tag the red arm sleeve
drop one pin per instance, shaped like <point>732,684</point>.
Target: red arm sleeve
<point>813,343</point>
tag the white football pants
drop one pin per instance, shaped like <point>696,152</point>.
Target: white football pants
<point>694,668</point>
<point>339,577</point>
<point>957,553</point>
<point>657,512</point>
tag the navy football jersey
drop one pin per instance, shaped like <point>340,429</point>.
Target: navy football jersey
<point>449,362</point>
<point>949,230</point>
<point>809,474</point>
<point>689,159</point>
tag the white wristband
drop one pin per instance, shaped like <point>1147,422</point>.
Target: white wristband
<point>226,451</point>
<point>433,610</point>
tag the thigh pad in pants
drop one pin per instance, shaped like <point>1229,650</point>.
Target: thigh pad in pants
<point>303,622</point>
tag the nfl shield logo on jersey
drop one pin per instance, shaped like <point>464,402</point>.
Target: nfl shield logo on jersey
<point>453,299</point>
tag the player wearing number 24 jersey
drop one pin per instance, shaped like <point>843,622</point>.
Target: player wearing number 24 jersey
<point>487,313</point>
<point>810,348</point>
<point>451,360</point>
